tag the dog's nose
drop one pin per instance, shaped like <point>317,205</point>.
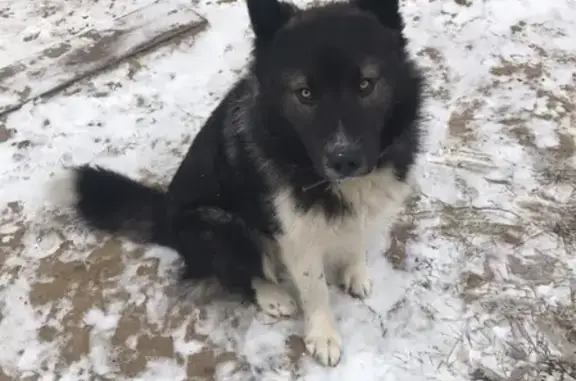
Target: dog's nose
<point>345,162</point>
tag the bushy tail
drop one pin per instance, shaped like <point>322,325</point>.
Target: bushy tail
<point>211,241</point>
<point>116,204</point>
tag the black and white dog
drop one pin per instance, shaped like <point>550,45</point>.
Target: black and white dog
<point>305,160</point>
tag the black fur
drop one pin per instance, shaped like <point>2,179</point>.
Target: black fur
<point>218,211</point>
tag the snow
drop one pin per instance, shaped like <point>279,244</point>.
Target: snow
<point>487,281</point>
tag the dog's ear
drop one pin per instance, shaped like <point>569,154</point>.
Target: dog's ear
<point>387,11</point>
<point>267,17</point>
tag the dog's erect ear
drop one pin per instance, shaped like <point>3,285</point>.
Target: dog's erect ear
<point>387,11</point>
<point>267,16</point>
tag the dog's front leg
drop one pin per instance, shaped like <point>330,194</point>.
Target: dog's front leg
<point>354,277</point>
<point>321,337</point>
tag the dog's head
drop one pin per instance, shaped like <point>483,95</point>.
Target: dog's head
<point>333,74</point>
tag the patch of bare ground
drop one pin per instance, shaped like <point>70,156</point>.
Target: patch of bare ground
<point>518,277</point>
<point>434,63</point>
<point>509,294</point>
<point>401,234</point>
<point>75,283</point>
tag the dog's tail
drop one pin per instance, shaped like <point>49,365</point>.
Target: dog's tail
<point>211,241</point>
<point>114,203</point>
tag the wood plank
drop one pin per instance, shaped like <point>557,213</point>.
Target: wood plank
<point>66,62</point>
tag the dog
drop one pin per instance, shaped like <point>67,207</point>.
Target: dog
<point>306,160</point>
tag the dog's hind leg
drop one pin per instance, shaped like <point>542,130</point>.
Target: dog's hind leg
<point>215,243</point>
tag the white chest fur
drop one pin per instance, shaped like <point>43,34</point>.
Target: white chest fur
<point>375,201</point>
<point>309,242</point>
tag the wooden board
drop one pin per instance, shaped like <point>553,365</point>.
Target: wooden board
<point>90,51</point>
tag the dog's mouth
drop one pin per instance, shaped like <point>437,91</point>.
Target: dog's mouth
<point>328,178</point>
<point>339,178</point>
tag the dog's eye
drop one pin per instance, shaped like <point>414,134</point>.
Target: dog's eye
<point>366,86</point>
<point>304,94</point>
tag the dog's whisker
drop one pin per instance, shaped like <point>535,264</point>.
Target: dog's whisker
<point>314,185</point>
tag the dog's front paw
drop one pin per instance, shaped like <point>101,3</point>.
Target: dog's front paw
<point>274,300</point>
<point>323,342</point>
<point>356,282</point>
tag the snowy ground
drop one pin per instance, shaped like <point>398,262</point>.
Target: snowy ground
<point>478,283</point>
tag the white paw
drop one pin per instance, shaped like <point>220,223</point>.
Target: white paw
<point>356,282</point>
<point>323,342</point>
<point>273,299</point>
